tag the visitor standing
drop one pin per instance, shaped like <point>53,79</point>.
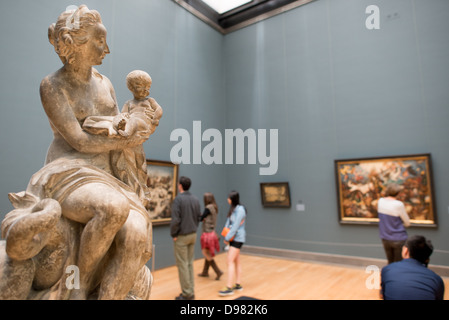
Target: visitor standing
<point>209,238</point>
<point>393,219</point>
<point>236,237</point>
<point>184,223</point>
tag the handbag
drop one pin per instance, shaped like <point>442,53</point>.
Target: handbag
<point>226,230</point>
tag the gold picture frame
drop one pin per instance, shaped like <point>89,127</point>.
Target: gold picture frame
<point>162,183</point>
<point>361,182</point>
<point>275,194</point>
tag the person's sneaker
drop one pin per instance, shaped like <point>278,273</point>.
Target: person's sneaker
<point>226,291</point>
<point>237,287</point>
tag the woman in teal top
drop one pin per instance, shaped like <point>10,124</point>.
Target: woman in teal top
<point>235,238</point>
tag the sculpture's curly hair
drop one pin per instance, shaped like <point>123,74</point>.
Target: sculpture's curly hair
<point>135,77</point>
<point>70,30</point>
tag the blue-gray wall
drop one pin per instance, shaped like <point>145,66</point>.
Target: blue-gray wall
<point>337,90</point>
<point>331,87</point>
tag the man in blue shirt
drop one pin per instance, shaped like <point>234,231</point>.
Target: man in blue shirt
<point>410,279</point>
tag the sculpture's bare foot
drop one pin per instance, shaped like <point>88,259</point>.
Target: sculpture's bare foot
<point>121,124</point>
<point>123,133</point>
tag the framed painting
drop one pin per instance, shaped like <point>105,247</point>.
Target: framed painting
<point>162,183</point>
<point>275,194</point>
<point>362,182</point>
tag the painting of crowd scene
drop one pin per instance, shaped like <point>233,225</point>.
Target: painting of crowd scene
<point>362,182</point>
<point>162,184</point>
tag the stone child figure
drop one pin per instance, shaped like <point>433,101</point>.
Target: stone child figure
<point>144,111</point>
<point>139,114</point>
<point>144,114</point>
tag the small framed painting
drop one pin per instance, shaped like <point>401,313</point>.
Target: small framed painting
<point>275,194</point>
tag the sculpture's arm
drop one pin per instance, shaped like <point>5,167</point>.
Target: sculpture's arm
<point>63,119</point>
<point>156,114</point>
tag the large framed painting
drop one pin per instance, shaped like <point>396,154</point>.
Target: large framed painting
<point>362,182</point>
<point>162,183</point>
<point>275,194</point>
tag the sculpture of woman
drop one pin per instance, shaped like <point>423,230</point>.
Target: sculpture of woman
<point>116,236</point>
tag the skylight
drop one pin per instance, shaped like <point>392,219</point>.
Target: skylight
<point>222,6</point>
<point>229,15</point>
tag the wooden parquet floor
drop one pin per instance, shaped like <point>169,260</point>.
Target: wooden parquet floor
<point>274,279</point>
